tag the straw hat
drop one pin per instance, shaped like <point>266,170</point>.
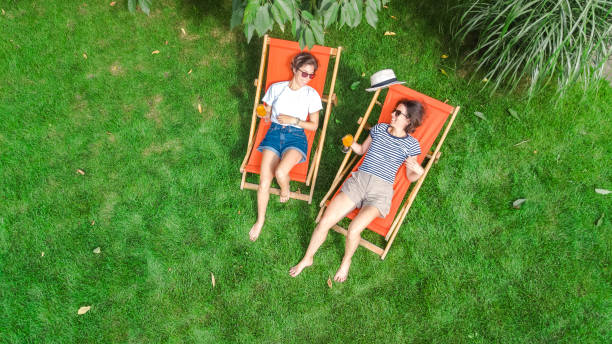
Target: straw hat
<point>382,79</point>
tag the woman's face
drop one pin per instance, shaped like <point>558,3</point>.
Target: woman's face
<point>302,75</point>
<point>399,117</point>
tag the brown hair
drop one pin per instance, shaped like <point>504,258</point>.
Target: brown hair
<point>415,112</point>
<point>303,59</point>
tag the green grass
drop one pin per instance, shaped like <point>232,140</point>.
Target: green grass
<point>162,185</point>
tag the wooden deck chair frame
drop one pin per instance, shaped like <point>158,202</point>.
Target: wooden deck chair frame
<point>310,179</point>
<point>409,197</point>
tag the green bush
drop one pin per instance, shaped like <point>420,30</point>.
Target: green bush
<point>537,41</point>
<point>145,5</point>
<point>307,19</point>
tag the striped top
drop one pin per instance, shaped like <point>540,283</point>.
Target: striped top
<point>387,153</point>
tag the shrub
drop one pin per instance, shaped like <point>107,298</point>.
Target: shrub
<point>537,41</point>
<point>307,19</point>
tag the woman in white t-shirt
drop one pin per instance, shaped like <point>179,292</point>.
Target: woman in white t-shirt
<point>292,106</point>
<point>371,187</point>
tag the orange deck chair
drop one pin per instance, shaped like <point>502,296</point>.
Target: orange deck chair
<point>436,115</point>
<point>278,69</point>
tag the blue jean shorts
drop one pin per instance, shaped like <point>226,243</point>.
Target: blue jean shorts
<point>281,138</point>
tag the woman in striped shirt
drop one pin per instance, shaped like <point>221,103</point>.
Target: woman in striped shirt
<point>370,188</point>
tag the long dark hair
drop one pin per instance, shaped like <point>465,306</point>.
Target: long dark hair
<point>415,111</point>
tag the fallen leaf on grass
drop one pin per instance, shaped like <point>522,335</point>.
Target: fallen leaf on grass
<point>184,32</point>
<point>602,191</point>
<point>212,279</point>
<point>199,108</point>
<point>113,3</point>
<point>329,282</point>
<point>389,33</point>
<point>97,250</point>
<point>517,204</point>
<point>355,84</point>
<point>155,52</point>
<point>83,310</point>
<point>93,222</point>
<point>514,114</point>
<point>85,56</point>
<point>480,115</point>
<point>599,220</point>
<point>520,143</point>
<point>444,56</point>
<point>81,172</point>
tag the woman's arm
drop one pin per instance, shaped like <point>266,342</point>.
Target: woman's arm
<point>360,149</point>
<point>414,171</point>
<point>311,124</point>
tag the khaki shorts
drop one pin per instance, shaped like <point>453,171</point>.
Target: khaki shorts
<point>366,189</point>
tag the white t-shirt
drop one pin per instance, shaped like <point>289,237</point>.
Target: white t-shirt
<point>284,100</point>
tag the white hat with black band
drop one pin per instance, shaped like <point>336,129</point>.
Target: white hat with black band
<point>382,79</point>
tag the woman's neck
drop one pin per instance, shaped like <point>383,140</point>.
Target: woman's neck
<point>293,85</point>
<point>397,132</point>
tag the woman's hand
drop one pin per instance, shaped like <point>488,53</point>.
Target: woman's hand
<point>413,169</point>
<point>286,119</point>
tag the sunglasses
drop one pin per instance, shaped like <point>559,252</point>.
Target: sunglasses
<point>398,113</point>
<point>306,75</point>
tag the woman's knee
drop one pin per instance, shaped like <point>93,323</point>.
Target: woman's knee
<point>265,182</point>
<point>354,231</point>
<point>280,173</point>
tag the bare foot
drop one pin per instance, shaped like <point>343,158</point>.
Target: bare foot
<point>284,196</point>
<point>342,272</point>
<point>294,271</point>
<point>255,230</point>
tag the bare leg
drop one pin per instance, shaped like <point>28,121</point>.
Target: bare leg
<point>290,159</point>
<point>336,211</point>
<point>359,223</point>
<point>269,161</point>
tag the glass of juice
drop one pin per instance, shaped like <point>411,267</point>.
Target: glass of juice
<point>261,111</point>
<point>347,141</point>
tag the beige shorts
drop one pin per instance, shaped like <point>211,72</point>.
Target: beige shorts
<point>366,189</point>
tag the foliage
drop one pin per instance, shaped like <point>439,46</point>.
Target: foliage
<point>307,19</point>
<point>145,5</point>
<point>537,40</point>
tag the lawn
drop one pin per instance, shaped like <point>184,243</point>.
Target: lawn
<point>102,145</point>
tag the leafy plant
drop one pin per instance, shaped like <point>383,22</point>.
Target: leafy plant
<point>307,19</point>
<point>145,5</point>
<point>538,41</point>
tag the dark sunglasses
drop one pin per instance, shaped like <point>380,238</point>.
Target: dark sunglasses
<point>398,112</point>
<point>306,75</point>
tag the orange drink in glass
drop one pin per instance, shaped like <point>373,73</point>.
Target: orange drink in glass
<point>261,111</point>
<point>347,141</point>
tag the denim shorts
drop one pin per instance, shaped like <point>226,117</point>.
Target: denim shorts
<point>280,138</point>
<point>367,189</point>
